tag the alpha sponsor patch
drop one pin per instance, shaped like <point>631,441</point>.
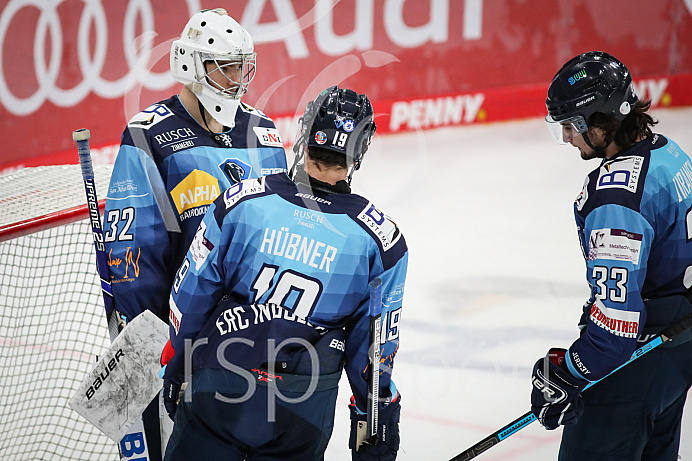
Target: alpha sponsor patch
<point>615,321</point>
<point>199,188</point>
<point>615,244</point>
<point>384,228</point>
<point>622,173</point>
<point>268,136</point>
<point>150,116</point>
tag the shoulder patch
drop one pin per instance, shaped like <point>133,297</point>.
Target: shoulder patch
<point>251,110</point>
<point>615,245</point>
<point>583,195</point>
<point>268,136</point>
<point>621,173</point>
<point>243,189</point>
<point>150,116</point>
<point>384,228</point>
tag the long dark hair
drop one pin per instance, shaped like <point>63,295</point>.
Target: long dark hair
<point>637,124</point>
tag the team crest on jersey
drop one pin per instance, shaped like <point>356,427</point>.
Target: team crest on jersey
<point>199,188</point>
<point>235,170</point>
<point>150,116</point>
<point>622,173</point>
<point>384,228</point>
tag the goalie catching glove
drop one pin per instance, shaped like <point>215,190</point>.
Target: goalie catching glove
<point>556,394</point>
<point>388,441</point>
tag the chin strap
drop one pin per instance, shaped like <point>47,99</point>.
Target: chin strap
<point>599,151</point>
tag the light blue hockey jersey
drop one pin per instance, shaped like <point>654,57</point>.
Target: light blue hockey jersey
<point>167,172</point>
<point>289,261</point>
<point>633,218</point>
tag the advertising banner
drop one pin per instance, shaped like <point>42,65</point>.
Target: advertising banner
<point>425,63</point>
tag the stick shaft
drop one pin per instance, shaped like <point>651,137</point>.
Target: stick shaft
<point>374,378</point>
<point>515,426</point>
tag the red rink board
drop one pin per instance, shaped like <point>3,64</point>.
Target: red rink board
<point>72,64</point>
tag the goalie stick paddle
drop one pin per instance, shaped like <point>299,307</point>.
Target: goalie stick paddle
<point>133,445</point>
<point>374,378</point>
<point>515,426</point>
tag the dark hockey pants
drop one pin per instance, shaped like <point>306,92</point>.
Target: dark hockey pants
<point>208,429</point>
<point>634,414</point>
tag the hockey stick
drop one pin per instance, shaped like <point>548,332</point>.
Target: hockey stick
<point>133,445</point>
<point>515,426</point>
<point>374,381</point>
<point>82,136</point>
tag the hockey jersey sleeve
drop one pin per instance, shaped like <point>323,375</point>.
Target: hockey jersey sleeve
<point>616,242</point>
<point>201,280</point>
<point>140,229</point>
<point>358,336</point>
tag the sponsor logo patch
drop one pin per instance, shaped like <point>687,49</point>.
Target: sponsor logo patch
<point>583,195</point>
<point>621,174</point>
<point>174,316</point>
<point>234,193</point>
<point>150,116</point>
<point>615,321</point>
<point>268,136</point>
<point>615,244</point>
<point>384,228</point>
<point>200,246</point>
<point>199,188</point>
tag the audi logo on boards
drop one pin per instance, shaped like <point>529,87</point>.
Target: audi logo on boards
<point>48,51</point>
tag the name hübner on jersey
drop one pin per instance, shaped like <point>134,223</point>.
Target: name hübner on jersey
<point>298,248</point>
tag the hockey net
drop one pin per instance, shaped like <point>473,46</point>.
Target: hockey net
<point>52,320</point>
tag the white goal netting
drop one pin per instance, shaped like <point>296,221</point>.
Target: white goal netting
<point>52,320</point>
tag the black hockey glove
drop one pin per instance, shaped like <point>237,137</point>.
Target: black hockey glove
<point>171,396</point>
<point>172,379</point>
<point>556,394</point>
<point>388,443</point>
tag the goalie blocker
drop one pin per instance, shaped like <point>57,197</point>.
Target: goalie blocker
<point>124,381</point>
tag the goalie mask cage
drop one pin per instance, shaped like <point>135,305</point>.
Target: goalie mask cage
<point>52,317</point>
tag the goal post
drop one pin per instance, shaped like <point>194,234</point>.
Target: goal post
<point>51,314</point>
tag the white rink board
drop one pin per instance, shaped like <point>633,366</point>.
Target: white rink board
<point>495,278</point>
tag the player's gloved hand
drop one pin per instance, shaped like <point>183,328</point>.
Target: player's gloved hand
<point>171,396</point>
<point>388,443</point>
<point>172,379</point>
<point>556,394</point>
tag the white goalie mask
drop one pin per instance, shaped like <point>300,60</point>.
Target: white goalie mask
<point>215,58</point>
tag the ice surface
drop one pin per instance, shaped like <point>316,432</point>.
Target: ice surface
<point>495,278</point>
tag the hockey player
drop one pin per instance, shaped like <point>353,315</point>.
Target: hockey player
<point>272,299</point>
<point>633,221</point>
<point>177,156</point>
